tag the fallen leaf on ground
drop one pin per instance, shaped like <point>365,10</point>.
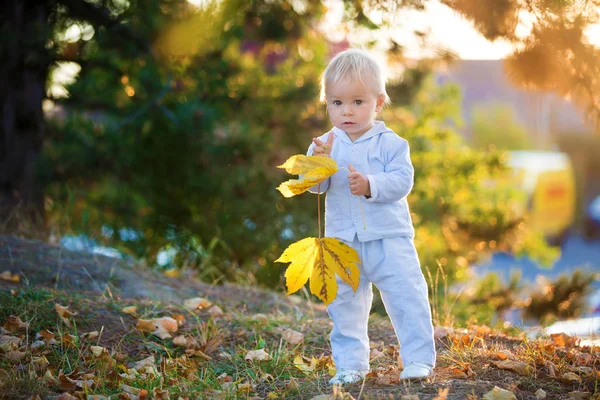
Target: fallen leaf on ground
<point>442,394</point>
<point>504,355</point>
<point>540,394</point>
<point>147,365</point>
<point>579,395</point>
<point>161,327</point>
<point>90,335</point>
<point>215,311</point>
<point>64,313</point>
<point>196,303</point>
<point>499,394</point>
<point>291,336</point>
<point>563,340</point>
<point>14,324</point>
<point>131,310</point>
<point>512,365</point>
<point>8,343</point>
<point>257,355</point>
<point>7,276</point>
<point>320,260</point>
<point>15,355</point>
<point>570,377</point>
<point>314,170</point>
<point>160,394</point>
<point>304,367</point>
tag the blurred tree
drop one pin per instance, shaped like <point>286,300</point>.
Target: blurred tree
<point>28,49</point>
<point>170,136</point>
<point>561,299</point>
<point>497,126</point>
<point>551,54</point>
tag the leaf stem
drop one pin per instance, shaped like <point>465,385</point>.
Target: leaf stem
<point>319,207</point>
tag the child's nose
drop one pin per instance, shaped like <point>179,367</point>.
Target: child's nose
<point>347,110</point>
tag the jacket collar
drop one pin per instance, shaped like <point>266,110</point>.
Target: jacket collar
<point>377,129</point>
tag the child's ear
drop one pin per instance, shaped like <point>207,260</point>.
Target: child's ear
<point>380,102</point>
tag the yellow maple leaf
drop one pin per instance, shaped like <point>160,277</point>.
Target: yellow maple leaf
<point>314,170</point>
<point>320,260</point>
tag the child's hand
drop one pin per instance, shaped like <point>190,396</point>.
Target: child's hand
<point>359,183</point>
<point>323,149</point>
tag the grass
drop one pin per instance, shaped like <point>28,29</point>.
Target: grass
<point>469,360</point>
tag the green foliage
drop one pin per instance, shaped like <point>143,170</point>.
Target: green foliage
<point>177,152</point>
<point>463,202</point>
<point>189,159</point>
<point>497,125</point>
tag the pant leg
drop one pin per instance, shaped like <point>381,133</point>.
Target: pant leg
<point>350,315</point>
<point>403,289</point>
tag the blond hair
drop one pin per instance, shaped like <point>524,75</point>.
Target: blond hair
<point>358,65</point>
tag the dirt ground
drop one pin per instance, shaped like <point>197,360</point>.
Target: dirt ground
<point>96,277</point>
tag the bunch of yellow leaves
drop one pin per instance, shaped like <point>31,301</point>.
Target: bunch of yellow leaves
<point>314,170</point>
<point>317,259</point>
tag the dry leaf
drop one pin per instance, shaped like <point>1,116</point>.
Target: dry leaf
<point>320,260</point>
<point>90,335</point>
<point>579,395</point>
<point>161,327</point>
<point>440,332</point>
<point>409,397</point>
<point>49,378</point>
<point>46,335</point>
<point>499,394</point>
<point>147,365</point>
<point>7,276</point>
<point>570,377</point>
<point>442,394</point>
<point>563,340</point>
<point>40,363</point>
<point>64,313</point>
<point>314,170</point>
<point>257,355</point>
<point>14,323</point>
<point>512,365</point>
<point>197,353</point>
<point>131,310</point>
<point>8,343</point>
<point>540,394</point>
<point>215,311</point>
<point>160,394</point>
<point>180,341</point>
<point>15,355</point>
<point>302,366</point>
<point>504,355</point>
<point>98,350</point>
<point>292,336</point>
<point>196,303</point>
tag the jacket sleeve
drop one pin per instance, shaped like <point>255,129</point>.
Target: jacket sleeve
<point>325,184</point>
<point>396,181</point>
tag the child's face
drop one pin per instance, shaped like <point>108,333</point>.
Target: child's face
<point>352,106</point>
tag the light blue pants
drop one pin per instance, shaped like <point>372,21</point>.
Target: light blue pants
<point>393,266</point>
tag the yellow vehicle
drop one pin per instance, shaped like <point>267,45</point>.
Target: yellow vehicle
<point>548,179</point>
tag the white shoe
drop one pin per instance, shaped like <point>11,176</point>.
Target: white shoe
<point>416,370</point>
<point>344,376</point>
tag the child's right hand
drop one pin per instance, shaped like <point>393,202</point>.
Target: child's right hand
<point>323,149</point>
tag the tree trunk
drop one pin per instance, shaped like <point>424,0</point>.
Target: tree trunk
<point>25,30</point>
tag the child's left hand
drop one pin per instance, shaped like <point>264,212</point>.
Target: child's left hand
<point>359,183</point>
